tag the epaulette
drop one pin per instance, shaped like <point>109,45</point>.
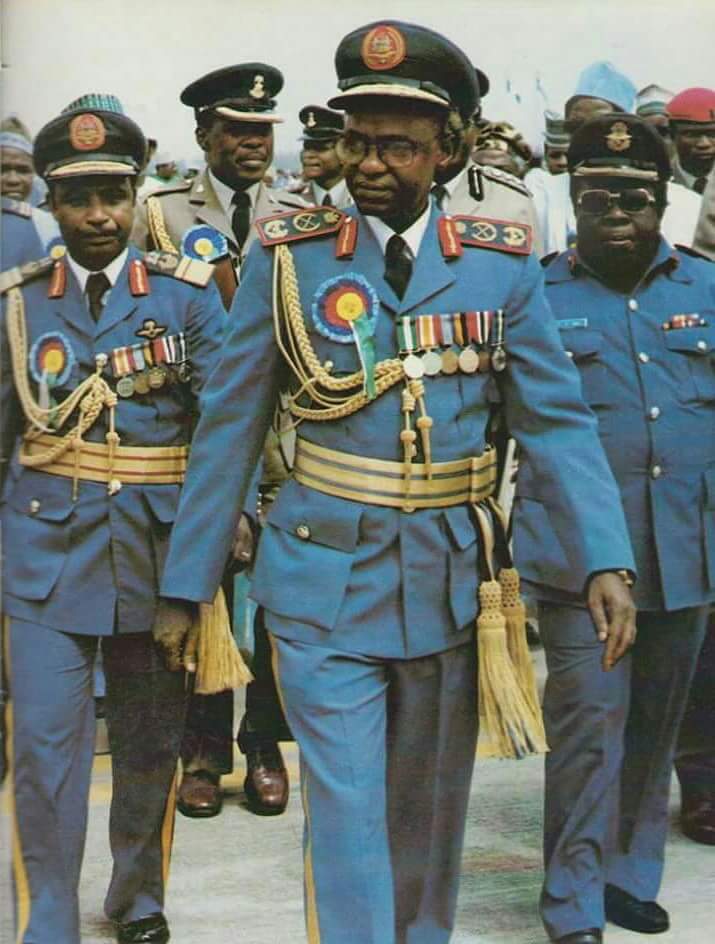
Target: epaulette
<point>547,260</point>
<point>696,254</point>
<point>300,224</point>
<point>194,271</point>
<point>503,177</point>
<point>504,235</point>
<point>165,191</point>
<point>16,207</point>
<point>24,273</point>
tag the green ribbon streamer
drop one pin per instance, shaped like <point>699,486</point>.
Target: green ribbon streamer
<point>362,330</point>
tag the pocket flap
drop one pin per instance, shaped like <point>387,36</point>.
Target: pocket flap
<point>317,518</point>
<point>163,500</point>
<point>691,340</point>
<point>581,343</point>
<point>42,496</point>
<point>460,526</point>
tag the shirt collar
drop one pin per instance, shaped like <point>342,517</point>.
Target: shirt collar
<point>412,236</point>
<point>111,271</point>
<point>687,178</point>
<point>337,192</point>
<point>451,185</point>
<point>225,194</point>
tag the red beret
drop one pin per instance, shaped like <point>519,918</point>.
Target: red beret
<point>693,104</point>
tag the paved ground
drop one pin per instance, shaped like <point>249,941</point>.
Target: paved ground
<point>236,879</point>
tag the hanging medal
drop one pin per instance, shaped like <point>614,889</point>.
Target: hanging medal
<point>498,352</point>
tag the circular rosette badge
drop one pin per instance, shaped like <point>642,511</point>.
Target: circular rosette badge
<point>51,359</point>
<point>204,243</point>
<point>345,310</point>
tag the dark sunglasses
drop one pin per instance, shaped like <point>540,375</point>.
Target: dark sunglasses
<point>598,202</point>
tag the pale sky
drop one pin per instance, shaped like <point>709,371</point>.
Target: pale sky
<point>146,51</point>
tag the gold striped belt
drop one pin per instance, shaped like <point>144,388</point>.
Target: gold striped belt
<point>381,482</point>
<point>131,465</point>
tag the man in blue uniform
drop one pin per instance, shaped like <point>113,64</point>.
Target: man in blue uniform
<point>368,565</point>
<point>636,317</point>
<point>105,352</point>
<point>27,233</point>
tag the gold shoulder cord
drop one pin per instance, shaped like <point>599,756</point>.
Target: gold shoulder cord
<point>90,397</point>
<point>157,227</point>
<point>332,397</point>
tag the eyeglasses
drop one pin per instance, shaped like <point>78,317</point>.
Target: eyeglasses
<point>598,202</point>
<point>393,152</point>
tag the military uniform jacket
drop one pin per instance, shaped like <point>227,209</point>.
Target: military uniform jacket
<point>379,580</point>
<point>705,230</point>
<point>647,370</point>
<point>27,233</point>
<point>93,565</point>
<point>492,192</point>
<point>196,202</point>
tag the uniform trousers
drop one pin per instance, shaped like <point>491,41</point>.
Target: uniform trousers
<point>387,750</point>
<point>695,755</point>
<point>52,733</point>
<point>612,737</point>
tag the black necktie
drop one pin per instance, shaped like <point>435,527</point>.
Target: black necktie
<point>241,219</point>
<point>97,285</point>
<point>327,199</point>
<point>439,192</point>
<point>699,184</point>
<point>398,265</point>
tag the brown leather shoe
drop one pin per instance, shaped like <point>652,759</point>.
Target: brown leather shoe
<point>697,816</point>
<point>266,784</point>
<point>200,794</point>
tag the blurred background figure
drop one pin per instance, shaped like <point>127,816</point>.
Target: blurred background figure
<point>556,143</point>
<point>651,106</point>
<point>166,173</point>
<point>499,144</point>
<point>692,124</point>
<point>322,168</point>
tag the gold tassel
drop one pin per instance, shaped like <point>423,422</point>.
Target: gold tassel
<point>515,614</point>
<point>220,664</point>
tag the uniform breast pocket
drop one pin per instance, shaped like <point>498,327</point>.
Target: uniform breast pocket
<point>694,350</point>
<point>36,536</point>
<point>585,348</point>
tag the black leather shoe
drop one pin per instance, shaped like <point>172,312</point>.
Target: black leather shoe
<point>591,936</point>
<point>623,909</point>
<point>150,930</point>
<point>200,794</point>
<point>697,815</point>
<point>266,784</point>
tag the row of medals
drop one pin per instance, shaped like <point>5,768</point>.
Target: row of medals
<point>153,379</point>
<point>431,363</point>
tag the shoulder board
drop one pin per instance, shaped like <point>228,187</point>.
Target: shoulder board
<point>194,271</point>
<point>504,235</point>
<point>500,176</point>
<point>300,224</point>
<point>165,191</point>
<point>547,260</point>
<point>16,207</point>
<point>25,273</point>
<point>689,251</point>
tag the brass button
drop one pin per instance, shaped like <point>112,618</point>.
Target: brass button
<point>643,357</point>
<point>654,412</point>
<point>702,345</point>
<point>569,354</point>
<point>633,304</point>
<point>656,472</point>
<point>303,532</point>
<point>34,506</point>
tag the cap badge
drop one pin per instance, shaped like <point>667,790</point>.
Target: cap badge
<point>384,47</point>
<point>259,87</point>
<point>87,133</point>
<point>618,138</point>
<point>311,122</point>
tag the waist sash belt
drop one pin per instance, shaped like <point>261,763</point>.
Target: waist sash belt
<point>131,465</point>
<point>381,482</point>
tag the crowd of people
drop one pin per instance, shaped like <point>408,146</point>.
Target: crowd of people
<point>318,377</point>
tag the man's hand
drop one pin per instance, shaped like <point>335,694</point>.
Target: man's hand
<point>174,631</point>
<point>242,552</point>
<point>614,615</point>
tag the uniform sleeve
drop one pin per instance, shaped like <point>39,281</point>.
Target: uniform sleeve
<point>704,240</point>
<point>10,409</point>
<point>559,436</point>
<point>237,405</point>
